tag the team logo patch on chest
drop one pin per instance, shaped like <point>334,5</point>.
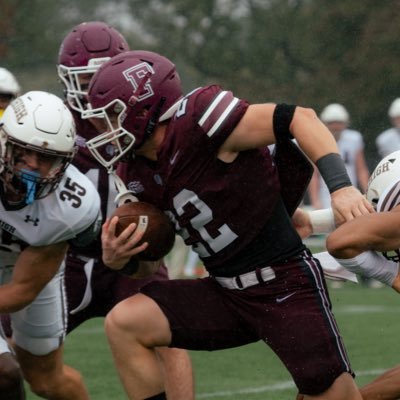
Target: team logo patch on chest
<point>135,187</point>
<point>80,141</point>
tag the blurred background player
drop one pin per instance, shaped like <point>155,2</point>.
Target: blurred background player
<point>46,203</point>
<point>351,149</point>
<point>9,89</point>
<point>389,140</point>
<point>92,288</point>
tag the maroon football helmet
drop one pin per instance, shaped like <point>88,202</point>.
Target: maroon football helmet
<point>82,51</point>
<point>129,95</point>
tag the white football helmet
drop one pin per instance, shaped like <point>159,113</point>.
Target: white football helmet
<point>8,83</point>
<point>384,178</point>
<point>40,122</point>
<point>334,113</point>
<point>383,190</point>
<point>394,109</point>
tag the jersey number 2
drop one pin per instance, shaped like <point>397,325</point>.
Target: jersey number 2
<point>225,235</point>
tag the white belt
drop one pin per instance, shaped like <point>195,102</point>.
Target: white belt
<point>246,280</point>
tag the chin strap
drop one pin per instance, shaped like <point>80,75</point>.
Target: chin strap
<point>124,195</point>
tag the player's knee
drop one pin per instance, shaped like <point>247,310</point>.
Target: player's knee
<point>11,380</point>
<point>41,388</point>
<point>52,381</point>
<point>40,384</point>
<point>135,319</point>
<point>114,323</point>
<point>121,319</point>
<point>335,385</point>
<point>45,385</point>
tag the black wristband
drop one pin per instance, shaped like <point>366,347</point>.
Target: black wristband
<point>333,171</point>
<point>130,267</point>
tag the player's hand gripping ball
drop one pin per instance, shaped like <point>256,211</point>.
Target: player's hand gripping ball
<point>159,232</point>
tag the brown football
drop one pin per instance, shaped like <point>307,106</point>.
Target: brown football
<point>159,231</point>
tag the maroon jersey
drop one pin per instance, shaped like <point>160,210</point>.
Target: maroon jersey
<point>86,163</point>
<point>92,288</point>
<point>217,207</point>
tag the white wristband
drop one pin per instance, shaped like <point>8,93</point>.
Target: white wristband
<point>322,221</point>
<point>372,265</point>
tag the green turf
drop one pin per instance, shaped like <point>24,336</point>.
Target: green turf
<point>368,319</point>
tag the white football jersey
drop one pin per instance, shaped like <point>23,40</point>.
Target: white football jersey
<point>60,216</point>
<point>388,142</point>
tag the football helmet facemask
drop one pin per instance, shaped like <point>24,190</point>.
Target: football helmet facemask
<point>129,95</point>
<point>81,53</point>
<point>35,123</point>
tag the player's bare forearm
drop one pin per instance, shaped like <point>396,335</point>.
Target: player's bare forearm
<point>312,135</point>
<point>35,267</point>
<point>15,296</point>
<point>255,130</point>
<point>379,231</point>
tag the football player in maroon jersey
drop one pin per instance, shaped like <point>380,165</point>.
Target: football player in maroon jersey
<point>93,289</point>
<point>208,167</point>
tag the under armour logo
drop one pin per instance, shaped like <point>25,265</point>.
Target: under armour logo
<point>34,220</point>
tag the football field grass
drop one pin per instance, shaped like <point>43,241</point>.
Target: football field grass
<point>369,320</point>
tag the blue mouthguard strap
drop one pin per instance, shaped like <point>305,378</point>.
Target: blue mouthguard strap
<point>29,178</point>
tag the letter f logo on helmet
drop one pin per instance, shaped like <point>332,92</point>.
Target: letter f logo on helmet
<point>140,78</point>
